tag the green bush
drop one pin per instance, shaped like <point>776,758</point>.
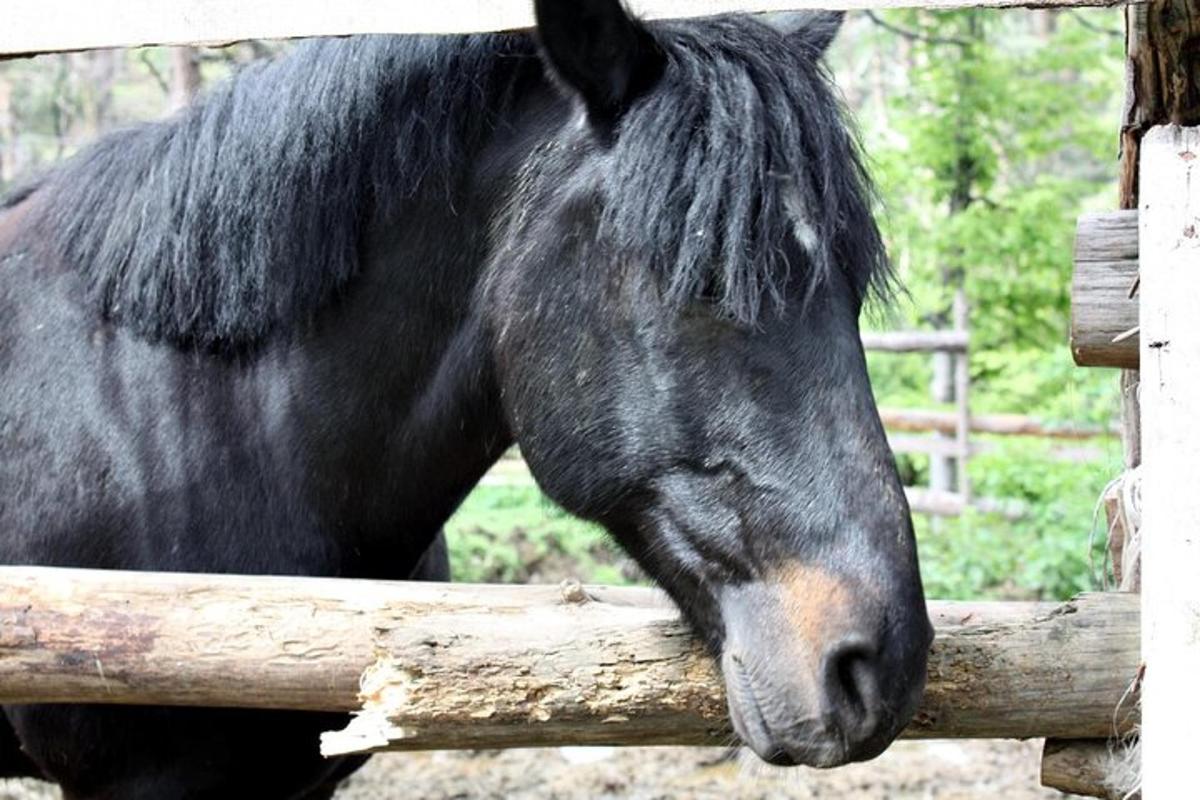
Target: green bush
<point>514,534</point>
<point>1047,554</point>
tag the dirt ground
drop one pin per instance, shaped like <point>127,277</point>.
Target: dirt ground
<point>908,771</point>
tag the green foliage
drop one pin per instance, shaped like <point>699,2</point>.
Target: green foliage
<point>985,157</point>
<point>514,534</point>
<point>1048,554</point>
<point>1000,136</point>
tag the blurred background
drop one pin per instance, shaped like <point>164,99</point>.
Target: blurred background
<point>988,134</point>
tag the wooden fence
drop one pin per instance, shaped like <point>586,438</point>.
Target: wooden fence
<point>434,666</point>
<point>1163,37</point>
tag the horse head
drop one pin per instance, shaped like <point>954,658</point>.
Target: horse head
<point>673,303</point>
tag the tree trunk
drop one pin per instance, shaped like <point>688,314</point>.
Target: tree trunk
<point>185,77</point>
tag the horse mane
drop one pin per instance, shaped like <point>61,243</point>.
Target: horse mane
<point>744,147</point>
<point>243,214</point>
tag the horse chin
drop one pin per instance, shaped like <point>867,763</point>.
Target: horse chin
<point>804,741</point>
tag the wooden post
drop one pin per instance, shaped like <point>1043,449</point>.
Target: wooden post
<point>1170,398</point>
<point>185,77</point>
<point>962,398</point>
<point>1162,86</point>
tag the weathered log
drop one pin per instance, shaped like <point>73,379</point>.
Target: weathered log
<point>37,26</point>
<point>919,420</point>
<point>1083,766</point>
<point>1104,310</point>
<point>507,666</point>
<point>916,341</point>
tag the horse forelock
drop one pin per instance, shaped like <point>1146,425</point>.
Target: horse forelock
<point>742,148</point>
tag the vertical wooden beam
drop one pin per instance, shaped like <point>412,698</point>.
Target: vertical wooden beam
<point>1162,85</point>
<point>1170,396</point>
<point>1162,77</point>
<point>962,397</point>
<point>185,77</point>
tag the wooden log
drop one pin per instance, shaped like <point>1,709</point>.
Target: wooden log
<point>507,666</point>
<point>1104,312</point>
<point>916,341</point>
<point>920,420</point>
<point>1170,397</point>
<point>42,26</point>
<point>1083,767</point>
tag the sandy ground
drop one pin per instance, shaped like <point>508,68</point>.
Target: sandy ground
<point>908,771</point>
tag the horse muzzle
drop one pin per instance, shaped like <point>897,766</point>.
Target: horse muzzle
<point>818,673</point>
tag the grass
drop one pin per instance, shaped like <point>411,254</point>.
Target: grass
<point>510,534</point>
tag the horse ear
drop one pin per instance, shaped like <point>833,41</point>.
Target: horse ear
<point>600,51</point>
<point>813,31</point>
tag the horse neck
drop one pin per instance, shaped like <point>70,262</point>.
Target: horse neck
<point>403,364</point>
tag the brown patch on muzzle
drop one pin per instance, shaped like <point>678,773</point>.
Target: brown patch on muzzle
<point>816,604</point>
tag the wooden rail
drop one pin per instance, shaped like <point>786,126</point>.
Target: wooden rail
<point>953,504</point>
<point>452,666</point>
<point>917,421</point>
<point>39,26</point>
<point>916,341</point>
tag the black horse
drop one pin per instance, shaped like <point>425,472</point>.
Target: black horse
<point>288,330</point>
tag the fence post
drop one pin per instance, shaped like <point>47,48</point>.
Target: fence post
<point>962,390</point>
<point>1170,397</point>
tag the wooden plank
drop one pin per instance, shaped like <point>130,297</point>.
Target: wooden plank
<point>1104,310</point>
<point>1169,202</point>
<point>508,666</point>
<point>924,445</point>
<point>952,504</point>
<point>916,341</point>
<point>39,26</point>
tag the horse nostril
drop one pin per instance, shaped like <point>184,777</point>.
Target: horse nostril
<point>852,685</point>
<point>781,758</point>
